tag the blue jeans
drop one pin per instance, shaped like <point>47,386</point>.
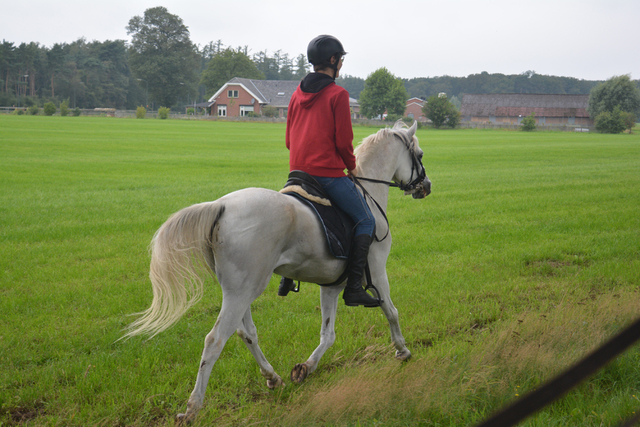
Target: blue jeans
<point>343,193</point>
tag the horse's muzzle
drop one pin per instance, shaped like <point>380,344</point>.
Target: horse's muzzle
<point>422,190</point>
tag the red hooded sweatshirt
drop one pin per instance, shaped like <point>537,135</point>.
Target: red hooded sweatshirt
<point>319,134</point>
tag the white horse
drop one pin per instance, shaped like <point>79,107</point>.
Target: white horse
<point>246,236</point>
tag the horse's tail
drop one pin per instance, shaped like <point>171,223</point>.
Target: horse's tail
<point>181,251</point>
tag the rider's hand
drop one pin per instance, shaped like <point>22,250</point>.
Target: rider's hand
<point>353,172</point>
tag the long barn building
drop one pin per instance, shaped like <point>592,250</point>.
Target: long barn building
<point>549,109</point>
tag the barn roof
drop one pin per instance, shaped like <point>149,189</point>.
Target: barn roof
<point>523,104</point>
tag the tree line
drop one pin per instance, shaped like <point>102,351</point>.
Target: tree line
<point>161,66</point>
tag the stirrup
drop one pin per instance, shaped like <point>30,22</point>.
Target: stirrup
<point>286,286</point>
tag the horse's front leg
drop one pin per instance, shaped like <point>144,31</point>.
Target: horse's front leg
<point>249,335</point>
<point>329,302</point>
<point>381,282</point>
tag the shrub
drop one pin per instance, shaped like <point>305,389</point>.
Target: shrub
<point>33,110</point>
<point>191,111</point>
<point>49,109</point>
<point>18,112</point>
<point>269,111</point>
<point>163,113</point>
<point>613,122</point>
<point>76,111</point>
<point>529,123</point>
<point>64,108</point>
<point>141,112</point>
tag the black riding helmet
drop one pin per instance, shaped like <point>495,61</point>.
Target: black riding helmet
<point>322,48</point>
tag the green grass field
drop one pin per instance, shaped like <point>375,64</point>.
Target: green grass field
<point>525,257</point>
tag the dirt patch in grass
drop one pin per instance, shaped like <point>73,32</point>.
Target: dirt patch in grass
<point>24,414</point>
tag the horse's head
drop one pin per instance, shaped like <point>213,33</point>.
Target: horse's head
<point>410,174</point>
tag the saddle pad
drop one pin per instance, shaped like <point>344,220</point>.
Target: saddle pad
<point>337,225</point>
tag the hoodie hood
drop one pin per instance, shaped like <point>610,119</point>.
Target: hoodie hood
<point>315,82</point>
<point>311,86</point>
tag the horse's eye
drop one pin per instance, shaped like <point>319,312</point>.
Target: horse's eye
<point>420,156</point>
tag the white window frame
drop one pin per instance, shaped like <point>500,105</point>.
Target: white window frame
<point>245,109</point>
<point>222,109</point>
<point>232,93</point>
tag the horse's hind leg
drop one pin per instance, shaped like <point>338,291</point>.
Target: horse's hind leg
<point>329,302</point>
<point>248,333</point>
<point>230,317</point>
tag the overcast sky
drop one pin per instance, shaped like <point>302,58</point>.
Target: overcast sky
<point>587,39</point>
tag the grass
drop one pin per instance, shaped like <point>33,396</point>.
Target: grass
<point>525,257</point>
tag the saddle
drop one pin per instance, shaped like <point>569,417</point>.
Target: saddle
<point>337,225</point>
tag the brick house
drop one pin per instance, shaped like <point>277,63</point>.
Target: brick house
<point>414,109</point>
<point>549,109</point>
<point>240,97</point>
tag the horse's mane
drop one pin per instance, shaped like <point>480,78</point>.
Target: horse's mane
<point>370,143</point>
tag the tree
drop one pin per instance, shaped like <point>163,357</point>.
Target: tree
<point>455,101</point>
<point>441,111</point>
<point>162,54</point>
<point>353,85</point>
<point>618,91</point>
<point>302,67</point>
<point>55,60</point>
<point>226,65</point>
<point>7,63</point>
<point>629,120</point>
<point>383,92</point>
<point>267,66</point>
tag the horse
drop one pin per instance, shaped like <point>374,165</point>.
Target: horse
<point>247,235</point>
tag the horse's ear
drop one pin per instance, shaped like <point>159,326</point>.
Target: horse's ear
<point>412,130</point>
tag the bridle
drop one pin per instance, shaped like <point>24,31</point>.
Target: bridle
<point>417,168</point>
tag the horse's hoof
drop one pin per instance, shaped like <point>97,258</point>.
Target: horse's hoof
<point>299,373</point>
<point>183,419</point>
<point>275,383</point>
<point>403,355</point>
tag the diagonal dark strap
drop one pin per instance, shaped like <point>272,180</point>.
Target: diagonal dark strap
<point>366,195</point>
<point>555,388</point>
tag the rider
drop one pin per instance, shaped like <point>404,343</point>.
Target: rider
<point>319,136</point>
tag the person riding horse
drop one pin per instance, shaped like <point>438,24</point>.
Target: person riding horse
<point>319,137</point>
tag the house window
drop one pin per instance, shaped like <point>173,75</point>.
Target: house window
<point>222,111</point>
<point>245,110</point>
<point>232,94</point>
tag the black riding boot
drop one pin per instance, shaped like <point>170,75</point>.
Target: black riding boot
<point>354,294</point>
<point>286,286</point>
